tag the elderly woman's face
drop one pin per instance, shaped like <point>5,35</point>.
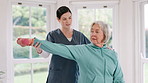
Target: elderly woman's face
<point>96,34</point>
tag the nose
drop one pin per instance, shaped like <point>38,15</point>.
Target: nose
<point>93,33</point>
<point>68,20</point>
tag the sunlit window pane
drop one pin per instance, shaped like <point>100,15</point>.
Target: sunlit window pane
<point>85,18</point>
<point>146,73</point>
<point>20,29</point>
<point>40,72</point>
<point>105,15</point>
<point>146,27</point>
<point>20,15</point>
<point>22,73</point>
<point>38,22</point>
<point>146,42</point>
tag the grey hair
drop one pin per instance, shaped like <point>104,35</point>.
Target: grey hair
<point>105,28</point>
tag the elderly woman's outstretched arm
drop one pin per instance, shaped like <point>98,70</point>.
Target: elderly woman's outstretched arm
<point>67,51</point>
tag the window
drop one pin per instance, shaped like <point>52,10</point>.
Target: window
<point>146,42</point>
<point>141,39</point>
<point>89,12</point>
<point>29,20</point>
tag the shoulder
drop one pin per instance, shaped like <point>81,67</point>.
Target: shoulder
<point>111,52</point>
<point>53,32</point>
<point>52,35</point>
<point>79,33</point>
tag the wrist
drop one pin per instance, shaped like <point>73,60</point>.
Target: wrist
<point>39,51</point>
<point>31,42</point>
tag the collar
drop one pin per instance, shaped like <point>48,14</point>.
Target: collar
<point>94,46</point>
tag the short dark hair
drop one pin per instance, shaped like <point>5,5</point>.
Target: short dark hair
<point>61,10</point>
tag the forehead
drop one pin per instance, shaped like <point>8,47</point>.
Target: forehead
<point>67,14</point>
<point>95,27</point>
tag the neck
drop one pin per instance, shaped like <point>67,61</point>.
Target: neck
<point>99,44</point>
<point>66,30</point>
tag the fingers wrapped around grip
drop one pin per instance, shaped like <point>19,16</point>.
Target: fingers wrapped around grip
<point>25,41</point>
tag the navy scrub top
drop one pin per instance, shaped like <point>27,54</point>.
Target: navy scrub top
<point>63,70</point>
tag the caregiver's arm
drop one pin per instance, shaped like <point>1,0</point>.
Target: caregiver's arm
<point>44,54</point>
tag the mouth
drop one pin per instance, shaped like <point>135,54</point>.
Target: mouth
<point>93,38</point>
<point>67,24</point>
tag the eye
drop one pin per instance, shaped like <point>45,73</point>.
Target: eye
<point>91,31</point>
<point>64,18</point>
<point>97,31</point>
<point>70,18</point>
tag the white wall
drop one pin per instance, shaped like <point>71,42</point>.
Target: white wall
<point>126,37</point>
<point>126,40</point>
<point>3,35</point>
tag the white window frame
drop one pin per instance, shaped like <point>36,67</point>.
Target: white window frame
<point>139,40</point>
<point>75,5</point>
<point>51,6</point>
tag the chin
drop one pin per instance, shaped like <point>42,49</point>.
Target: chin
<point>67,27</point>
<point>94,42</point>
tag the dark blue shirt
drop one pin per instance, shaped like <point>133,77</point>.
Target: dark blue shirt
<point>63,70</point>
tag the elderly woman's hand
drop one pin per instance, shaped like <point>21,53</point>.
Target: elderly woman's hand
<point>25,41</point>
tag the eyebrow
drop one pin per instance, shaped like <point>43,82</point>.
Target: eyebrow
<point>96,29</point>
<point>68,17</point>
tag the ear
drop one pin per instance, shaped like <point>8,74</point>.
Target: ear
<point>58,19</point>
<point>104,39</point>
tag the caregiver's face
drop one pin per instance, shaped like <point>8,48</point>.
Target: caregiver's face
<point>96,34</point>
<point>66,20</point>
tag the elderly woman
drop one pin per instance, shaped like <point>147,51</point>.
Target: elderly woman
<point>97,63</point>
